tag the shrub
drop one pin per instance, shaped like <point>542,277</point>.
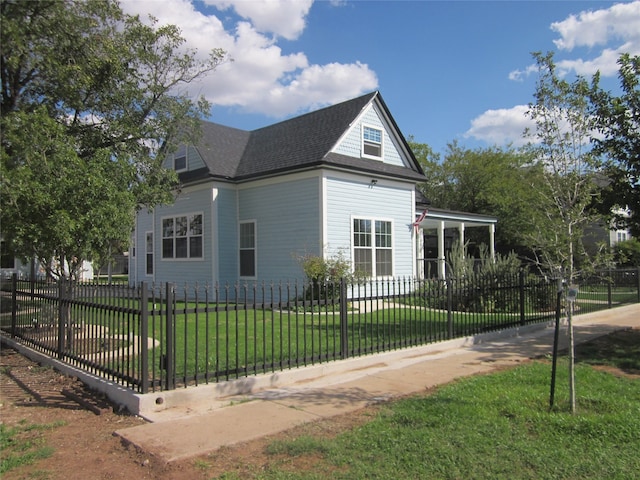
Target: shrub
<point>627,253</point>
<point>325,274</point>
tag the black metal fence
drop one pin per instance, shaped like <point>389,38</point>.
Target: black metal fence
<point>160,337</point>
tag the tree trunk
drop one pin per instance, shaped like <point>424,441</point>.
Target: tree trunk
<point>572,357</point>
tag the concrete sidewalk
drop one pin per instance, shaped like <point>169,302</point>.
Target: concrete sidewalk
<point>180,434</point>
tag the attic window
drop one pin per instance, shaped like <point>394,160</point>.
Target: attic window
<point>371,142</point>
<point>180,163</point>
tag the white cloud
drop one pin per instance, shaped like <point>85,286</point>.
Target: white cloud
<point>262,78</point>
<point>590,29</point>
<point>520,75</point>
<point>607,33</point>
<point>285,18</point>
<point>502,126</point>
<point>320,85</point>
<point>603,34</point>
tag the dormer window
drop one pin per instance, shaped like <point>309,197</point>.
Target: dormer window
<point>371,142</point>
<point>180,163</point>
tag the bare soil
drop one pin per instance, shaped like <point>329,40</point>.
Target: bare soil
<point>84,445</point>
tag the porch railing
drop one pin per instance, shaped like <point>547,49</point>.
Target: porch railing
<point>161,337</point>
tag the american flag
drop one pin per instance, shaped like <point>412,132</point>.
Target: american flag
<point>416,224</point>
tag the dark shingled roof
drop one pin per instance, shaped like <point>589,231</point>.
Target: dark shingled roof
<point>298,143</point>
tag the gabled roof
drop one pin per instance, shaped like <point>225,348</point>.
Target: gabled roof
<point>296,144</point>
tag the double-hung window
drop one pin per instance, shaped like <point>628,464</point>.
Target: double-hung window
<point>149,253</point>
<point>373,247</point>
<point>248,249</point>
<point>182,236</point>
<point>371,142</point>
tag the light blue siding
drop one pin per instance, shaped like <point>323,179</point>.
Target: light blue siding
<point>287,225</point>
<point>351,145</point>
<point>137,264</point>
<point>180,271</point>
<point>227,235</point>
<point>347,199</point>
<point>190,270</point>
<point>194,160</point>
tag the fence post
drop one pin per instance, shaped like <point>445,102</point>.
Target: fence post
<point>449,287</point>
<point>609,296</point>
<point>522,297</point>
<point>62,315</point>
<point>344,331</point>
<point>14,303</point>
<point>144,336</point>
<point>638,283</point>
<point>170,338</point>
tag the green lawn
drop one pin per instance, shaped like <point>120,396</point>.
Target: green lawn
<point>494,426</point>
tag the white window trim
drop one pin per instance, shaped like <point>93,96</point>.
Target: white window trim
<point>255,250</point>
<point>134,244</point>
<point>147,252</point>
<point>162,237</point>
<point>373,221</point>
<point>365,155</point>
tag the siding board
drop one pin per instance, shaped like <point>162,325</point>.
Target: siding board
<point>287,224</point>
<point>351,144</point>
<point>347,199</point>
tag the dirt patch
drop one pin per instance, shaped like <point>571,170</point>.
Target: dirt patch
<point>84,445</point>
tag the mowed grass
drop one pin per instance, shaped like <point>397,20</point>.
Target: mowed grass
<point>495,426</point>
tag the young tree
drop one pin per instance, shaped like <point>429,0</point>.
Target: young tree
<point>560,143</point>
<point>617,120</point>
<point>92,101</point>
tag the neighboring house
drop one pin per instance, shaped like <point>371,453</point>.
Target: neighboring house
<point>9,265</point>
<point>337,181</point>
<point>603,233</point>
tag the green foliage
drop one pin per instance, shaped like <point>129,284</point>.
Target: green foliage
<point>331,270</point>
<point>627,253</point>
<point>90,106</point>
<point>482,285</point>
<point>618,123</point>
<point>492,181</point>
<point>57,204</point>
<point>478,285</point>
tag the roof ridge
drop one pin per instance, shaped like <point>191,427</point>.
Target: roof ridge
<point>321,110</point>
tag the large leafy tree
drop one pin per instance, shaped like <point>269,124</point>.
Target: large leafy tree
<point>618,123</point>
<point>490,181</point>
<point>92,100</point>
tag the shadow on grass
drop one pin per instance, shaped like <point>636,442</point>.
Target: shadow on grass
<point>619,349</point>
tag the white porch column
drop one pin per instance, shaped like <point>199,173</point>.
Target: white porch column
<point>461,230</point>
<point>492,241</point>
<point>442,272</point>
<point>421,273</point>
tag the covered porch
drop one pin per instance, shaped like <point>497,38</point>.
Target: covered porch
<point>442,222</point>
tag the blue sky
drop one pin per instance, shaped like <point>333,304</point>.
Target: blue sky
<point>456,70</point>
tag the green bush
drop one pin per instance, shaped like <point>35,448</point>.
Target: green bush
<point>627,253</point>
<point>325,275</point>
